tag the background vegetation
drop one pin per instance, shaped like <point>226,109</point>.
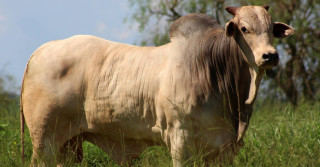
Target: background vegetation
<point>285,126</point>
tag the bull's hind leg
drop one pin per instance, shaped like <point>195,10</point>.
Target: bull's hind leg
<point>50,150</point>
<point>72,151</point>
<point>49,138</point>
<point>44,151</point>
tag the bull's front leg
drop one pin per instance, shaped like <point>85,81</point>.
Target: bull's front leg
<point>182,147</point>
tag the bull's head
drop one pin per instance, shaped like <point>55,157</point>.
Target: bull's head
<point>253,29</point>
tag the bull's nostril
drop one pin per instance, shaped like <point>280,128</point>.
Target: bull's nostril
<point>276,56</point>
<point>271,58</point>
<point>266,56</point>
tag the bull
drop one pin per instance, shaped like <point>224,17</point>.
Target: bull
<point>194,94</point>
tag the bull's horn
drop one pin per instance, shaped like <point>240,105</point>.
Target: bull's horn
<point>232,10</point>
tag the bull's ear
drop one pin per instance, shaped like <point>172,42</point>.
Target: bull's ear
<point>232,10</point>
<point>230,28</point>
<point>281,30</point>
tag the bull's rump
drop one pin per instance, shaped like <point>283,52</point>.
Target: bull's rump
<point>88,84</point>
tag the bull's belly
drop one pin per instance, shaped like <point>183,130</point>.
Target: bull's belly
<point>117,124</point>
<point>137,120</point>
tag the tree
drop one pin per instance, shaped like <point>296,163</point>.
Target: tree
<point>297,75</point>
<point>162,13</point>
<point>7,87</point>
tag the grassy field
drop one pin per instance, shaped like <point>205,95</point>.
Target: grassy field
<point>278,135</point>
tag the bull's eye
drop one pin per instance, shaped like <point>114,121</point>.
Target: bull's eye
<point>244,30</point>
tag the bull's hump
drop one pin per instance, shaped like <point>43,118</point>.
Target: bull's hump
<point>188,25</point>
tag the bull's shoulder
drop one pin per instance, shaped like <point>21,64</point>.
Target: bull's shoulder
<point>190,24</point>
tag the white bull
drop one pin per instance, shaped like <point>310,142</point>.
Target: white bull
<point>194,94</point>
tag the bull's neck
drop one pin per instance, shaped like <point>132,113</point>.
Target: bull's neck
<point>218,62</point>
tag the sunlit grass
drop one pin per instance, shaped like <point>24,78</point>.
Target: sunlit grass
<point>278,135</point>
<point>282,136</point>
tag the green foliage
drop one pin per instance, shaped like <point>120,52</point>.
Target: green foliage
<point>155,16</point>
<point>156,156</point>
<point>278,135</point>
<point>10,143</point>
<point>94,156</point>
<point>281,136</point>
<point>7,85</point>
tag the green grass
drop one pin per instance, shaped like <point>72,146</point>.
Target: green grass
<point>278,135</point>
<point>282,136</point>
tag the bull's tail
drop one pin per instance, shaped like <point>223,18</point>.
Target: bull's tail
<point>22,128</point>
<point>22,120</point>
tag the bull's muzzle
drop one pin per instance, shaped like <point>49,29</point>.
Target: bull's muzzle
<point>271,59</point>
